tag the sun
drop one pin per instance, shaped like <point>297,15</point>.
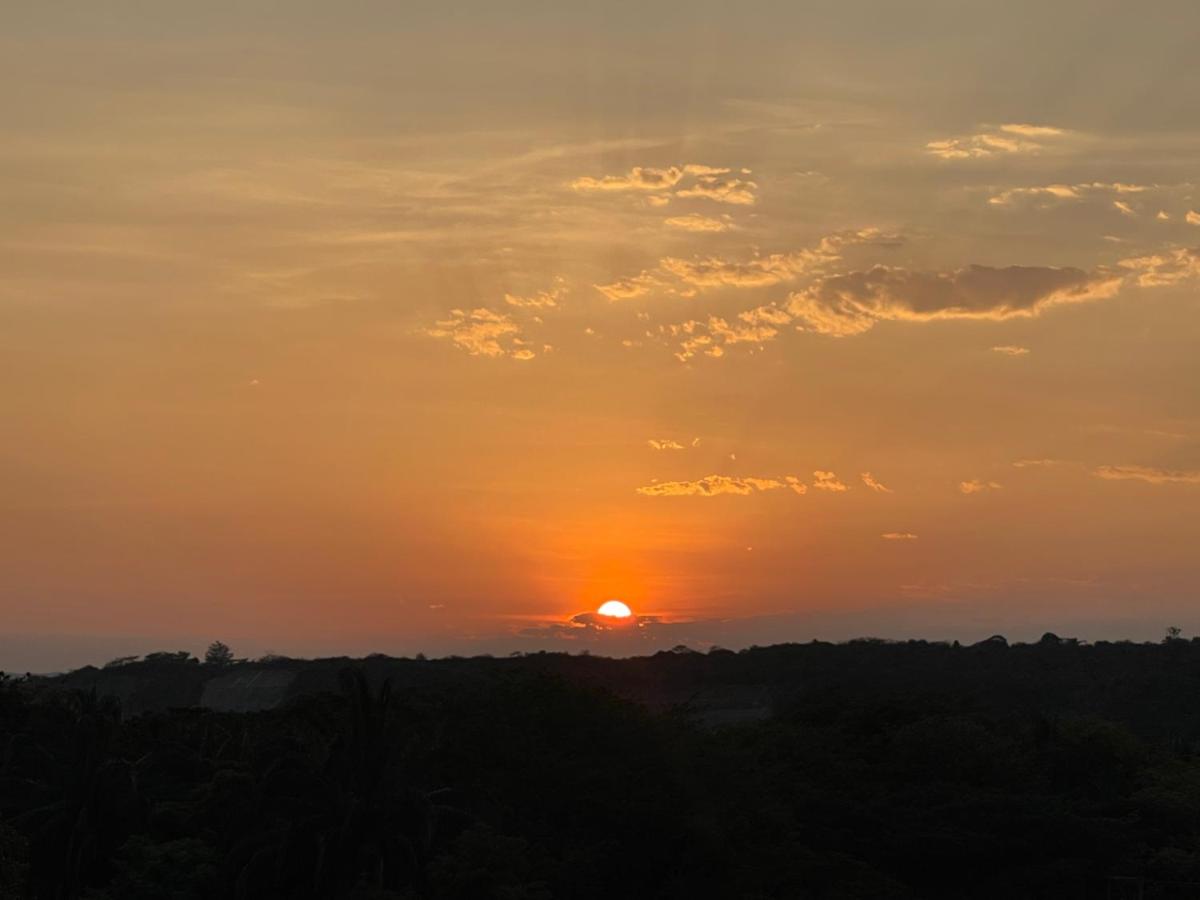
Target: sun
<point>614,609</point>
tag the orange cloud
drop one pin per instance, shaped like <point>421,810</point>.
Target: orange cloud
<point>1146,474</point>
<point>874,485</point>
<point>978,487</point>
<point>855,302</point>
<point>1007,139</point>
<point>827,481</point>
<point>547,299</point>
<point>482,332</point>
<point>713,485</point>
<point>1171,266</point>
<point>698,223</point>
<point>1057,192</point>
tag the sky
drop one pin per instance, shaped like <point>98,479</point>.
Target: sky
<point>336,328</point>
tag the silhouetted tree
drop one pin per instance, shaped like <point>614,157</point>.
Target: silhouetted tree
<point>218,654</point>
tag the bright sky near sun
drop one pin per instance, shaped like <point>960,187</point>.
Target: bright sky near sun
<point>330,327</point>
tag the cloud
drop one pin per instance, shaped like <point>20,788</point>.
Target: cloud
<point>827,481</point>
<point>874,485</point>
<point>665,444</point>
<point>758,271</point>
<point>1123,208</point>
<point>730,189</point>
<point>1036,463</point>
<point>684,277</point>
<point>854,302</point>
<point>1192,217</point>
<point>697,223</point>
<point>795,484</point>
<point>547,299</point>
<point>713,485</point>
<point>710,337</point>
<point>1011,350</point>
<point>1007,139</point>
<point>1032,130</point>
<point>898,536</point>
<point>639,178</point>
<point>1146,474</point>
<point>629,288</point>
<point>1051,193</point>
<point>692,180</point>
<point>978,487</point>
<point>481,332</point>
<point>1171,266</point>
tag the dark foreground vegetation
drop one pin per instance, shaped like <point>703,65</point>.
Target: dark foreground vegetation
<point>867,769</point>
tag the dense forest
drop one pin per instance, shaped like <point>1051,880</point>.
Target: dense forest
<point>868,769</point>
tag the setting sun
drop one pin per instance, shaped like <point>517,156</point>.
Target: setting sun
<point>615,609</point>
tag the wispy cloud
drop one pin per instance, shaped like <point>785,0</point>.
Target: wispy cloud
<point>1171,266</point>
<point>710,337</point>
<point>482,332</point>
<point>715,485</point>
<point>698,223</point>
<point>869,480</point>
<point>1011,350</point>
<point>898,536</point>
<point>1052,193</point>
<point>686,277</point>
<point>855,302</point>
<point>975,486</point>
<point>690,180</point>
<point>639,178</point>
<point>1147,474</point>
<point>547,299</point>
<point>1007,139</point>
<point>827,481</point>
<point>664,444</point>
<point>722,189</point>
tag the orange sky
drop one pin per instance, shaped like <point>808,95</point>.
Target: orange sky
<point>402,329</point>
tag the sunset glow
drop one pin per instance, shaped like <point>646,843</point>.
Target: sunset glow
<point>412,327</point>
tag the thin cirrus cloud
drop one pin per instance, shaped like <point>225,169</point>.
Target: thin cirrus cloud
<point>738,191</point>
<point>664,444</point>
<point>547,299</point>
<point>898,536</point>
<point>482,332</point>
<point>870,481</point>
<point>827,481</point>
<point>1147,474</point>
<point>692,180</point>
<point>639,178</point>
<point>685,277</point>
<point>698,224</point>
<point>711,336</point>
<point>975,486</point>
<point>855,302</point>
<point>1011,350</point>
<point>1007,139</point>
<point>1047,194</point>
<point>1168,267</point>
<point>716,485</point>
